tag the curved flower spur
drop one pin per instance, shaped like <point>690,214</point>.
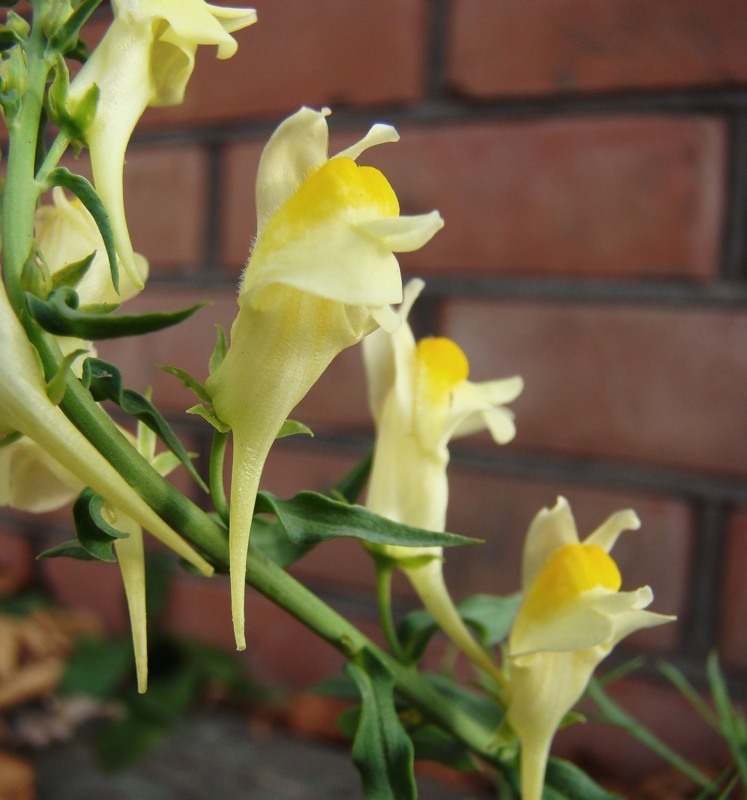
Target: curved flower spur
<point>322,275</point>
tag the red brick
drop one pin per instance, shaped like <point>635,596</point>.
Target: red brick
<point>548,46</point>
<point>91,585</point>
<point>657,386</point>
<point>239,218</point>
<point>16,562</point>
<point>590,196</point>
<point>331,52</point>
<point>165,191</point>
<point>732,636</point>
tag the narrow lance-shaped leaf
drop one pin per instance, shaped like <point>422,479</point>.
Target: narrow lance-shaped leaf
<point>105,383</point>
<point>382,750</point>
<point>311,518</point>
<point>87,195</point>
<point>59,314</point>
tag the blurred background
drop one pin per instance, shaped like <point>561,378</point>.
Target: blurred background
<point>590,161</point>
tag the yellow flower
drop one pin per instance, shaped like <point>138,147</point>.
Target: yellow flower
<point>572,615</point>
<point>31,480</point>
<point>145,59</point>
<point>320,277</point>
<point>25,408</point>
<point>65,232</point>
<point>420,399</point>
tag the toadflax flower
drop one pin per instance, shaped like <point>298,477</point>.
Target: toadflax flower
<point>145,59</point>
<point>320,277</point>
<point>572,615</point>
<point>420,398</point>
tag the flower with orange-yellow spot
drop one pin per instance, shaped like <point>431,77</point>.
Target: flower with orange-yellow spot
<point>572,615</point>
<point>421,398</point>
<point>322,275</point>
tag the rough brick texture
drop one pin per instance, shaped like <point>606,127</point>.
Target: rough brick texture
<point>565,46</point>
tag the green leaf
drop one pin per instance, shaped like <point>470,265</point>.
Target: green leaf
<point>679,681</point>
<point>124,742</point>
<point>65,37</point>
<point>189,381</point>
<point>270,537</point>
<point>340,687</point>
<point>71,549</point>
<point>290,428</point>
<point>490,615</point>
<point>565,781</point>
<point>87,195</point>
<point>60,314</point>
<point>382,750</point>
<point>478,706</point>
<point>220,349</point>
<point>434,744</point>
<point>57,386</point>
<point>731,722</point>
<point>351,485</point>
<point>310,518</point>
<point>96,667</point>
<point>414,632</point>
<point>71,274</point>
<point>94,533</point>
<point>105,383</point>
<point>209,416</point>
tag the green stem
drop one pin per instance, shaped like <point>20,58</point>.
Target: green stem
<point>21,190</point>
<point>217,489</point>
<point>384,571</point>
<point>614,715</point>
<point>55,153</point>
<point>283,590</point>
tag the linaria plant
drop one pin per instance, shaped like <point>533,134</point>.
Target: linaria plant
<point>321,276</point>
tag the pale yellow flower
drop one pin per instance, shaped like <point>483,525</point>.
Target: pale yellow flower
<point>572,615</point>
<point>320,277</point>
<point>145,59</point>
<point>420,399</point>
<point>65,233</point>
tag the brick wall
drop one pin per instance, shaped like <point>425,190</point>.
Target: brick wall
<point>590,160</point>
